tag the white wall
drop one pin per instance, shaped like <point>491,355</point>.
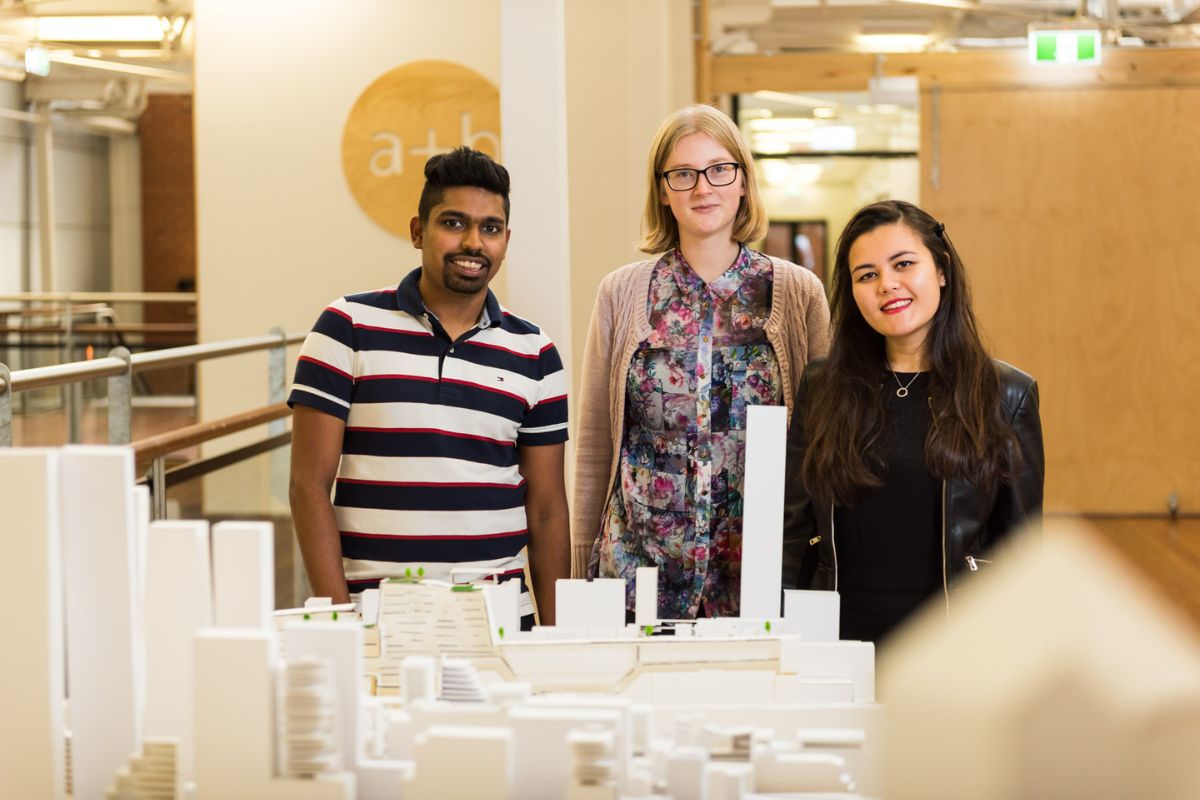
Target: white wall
<point>278,233</point>
<point>629,65</point>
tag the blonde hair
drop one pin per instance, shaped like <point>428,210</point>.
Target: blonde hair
<point>660,231</point>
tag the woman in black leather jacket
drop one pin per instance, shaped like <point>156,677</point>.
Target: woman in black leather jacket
<point>911,452</point>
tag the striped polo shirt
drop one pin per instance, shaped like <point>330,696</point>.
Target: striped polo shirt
<point>429,471</point>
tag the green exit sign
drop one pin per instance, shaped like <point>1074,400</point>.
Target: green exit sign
<point>1064,46</point>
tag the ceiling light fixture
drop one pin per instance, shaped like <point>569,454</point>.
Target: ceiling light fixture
<point>892,42</point>
<point>968,5</point>
<point>121,28</point>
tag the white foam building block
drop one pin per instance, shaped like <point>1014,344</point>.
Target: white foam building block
<point>103,629</point>
<point>542,758</point>
<point>623,741</point>
<point>443,750</point>
<point>598,603</point>
<point>646,596</point>
<point>418,679</point>
<point>235,726</point>
<point>179,589</point>
<point>813,616</point>
<point>31,691</point>
<point>503,601</point>
<point>728,781</point>
<point>369,598</point>
<point>686,768</point>
<point>762,518</point>
<point>341,645</point>
<point>243,556</point>
<point>1086,681</point>
<point>854,661</point>
<point>790,771</point>
<point>141,529</point>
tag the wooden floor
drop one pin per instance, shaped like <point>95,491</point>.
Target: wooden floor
<point>1166,552</point>
<point>48,428</point>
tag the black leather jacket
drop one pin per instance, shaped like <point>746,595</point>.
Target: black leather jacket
<point>972,521</point>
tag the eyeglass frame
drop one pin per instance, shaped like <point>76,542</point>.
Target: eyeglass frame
<point>666,174</point>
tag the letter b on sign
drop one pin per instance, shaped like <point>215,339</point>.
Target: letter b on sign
<point>405,116</point>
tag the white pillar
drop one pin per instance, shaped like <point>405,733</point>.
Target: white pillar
<point>125,204</point>
<point>533,121</point>
<point>31,691</point>
<point>44,139</point>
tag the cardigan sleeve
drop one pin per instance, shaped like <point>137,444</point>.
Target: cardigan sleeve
<point>816,320</point>
<point>593,443</point>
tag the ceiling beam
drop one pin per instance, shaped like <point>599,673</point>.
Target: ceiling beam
<point>850,72</point>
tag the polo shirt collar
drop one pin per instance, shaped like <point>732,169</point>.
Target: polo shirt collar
<point>408,299</point>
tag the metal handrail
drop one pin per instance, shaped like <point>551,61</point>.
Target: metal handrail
<point>189,354</point>
<point>119,367</point>
<point>100,297</point>
<point>41,377</point>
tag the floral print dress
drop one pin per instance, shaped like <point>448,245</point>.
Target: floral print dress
<point>677,502</point>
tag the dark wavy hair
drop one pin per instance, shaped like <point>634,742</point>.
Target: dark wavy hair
<point>462,166</point>
<point>968,436</point>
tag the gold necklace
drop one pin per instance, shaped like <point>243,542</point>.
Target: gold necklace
<point>903,390</point>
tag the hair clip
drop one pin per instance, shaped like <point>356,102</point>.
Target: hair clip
<point>940,230</point>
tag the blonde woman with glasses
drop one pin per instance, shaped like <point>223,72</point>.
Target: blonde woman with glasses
<point>679,346</point>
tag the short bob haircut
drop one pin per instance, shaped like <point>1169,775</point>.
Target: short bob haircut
<point>660,232</point>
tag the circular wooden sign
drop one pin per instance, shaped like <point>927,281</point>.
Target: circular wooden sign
<point>405,116</point>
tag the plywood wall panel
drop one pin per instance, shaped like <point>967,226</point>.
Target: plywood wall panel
<point>1078,214</point>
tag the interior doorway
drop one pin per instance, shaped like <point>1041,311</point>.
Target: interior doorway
<point>821,156</point>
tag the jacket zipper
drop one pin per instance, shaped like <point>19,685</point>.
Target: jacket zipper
<point>833,544</point>
<point>945,571</point>
<point>973,563</point>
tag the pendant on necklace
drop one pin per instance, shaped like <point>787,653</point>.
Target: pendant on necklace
<point>902,392</point>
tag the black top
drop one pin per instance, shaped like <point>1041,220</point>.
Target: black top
<point>888,544</point>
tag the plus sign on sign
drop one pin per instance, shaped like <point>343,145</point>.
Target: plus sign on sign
<point>405,116</point>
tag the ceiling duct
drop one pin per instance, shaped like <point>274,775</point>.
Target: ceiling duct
<point>117,97</point>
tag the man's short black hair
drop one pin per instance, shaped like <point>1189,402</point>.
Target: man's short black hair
<point>461,167</point>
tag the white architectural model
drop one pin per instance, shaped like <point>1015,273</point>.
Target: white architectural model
<point>458,683</point>
<point>1057,676</point>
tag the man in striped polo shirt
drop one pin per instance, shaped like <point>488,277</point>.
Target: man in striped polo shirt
<point>440,417</point>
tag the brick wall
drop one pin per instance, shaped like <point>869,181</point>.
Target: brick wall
<point>168,219</point>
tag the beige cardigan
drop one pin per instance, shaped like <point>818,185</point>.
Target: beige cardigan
<point>797,328</point>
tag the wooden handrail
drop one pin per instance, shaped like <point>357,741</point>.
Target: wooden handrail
<point>55,310</point>
<point>150,448</point>
<point>176,328</point>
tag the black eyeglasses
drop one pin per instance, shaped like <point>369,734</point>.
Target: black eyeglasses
<point>682,180</point>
